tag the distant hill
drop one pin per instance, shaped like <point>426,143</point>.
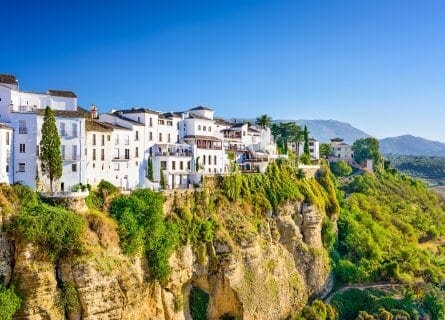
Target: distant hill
<point>325,130</point>
<point>410,145</point>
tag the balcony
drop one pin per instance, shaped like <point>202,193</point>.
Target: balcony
<point>172,150</point>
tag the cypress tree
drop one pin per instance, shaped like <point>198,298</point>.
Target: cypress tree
<point>306,141</point>
<point>162,179</point>
<point>50,154</point>
<point>150,169</point>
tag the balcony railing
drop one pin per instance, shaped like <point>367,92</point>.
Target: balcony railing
<point>71,157</point>
<point>186,153</point>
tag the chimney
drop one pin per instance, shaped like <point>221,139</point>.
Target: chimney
<point>93,112</point>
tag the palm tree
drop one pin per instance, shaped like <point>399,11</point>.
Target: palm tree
<point>263,121</point>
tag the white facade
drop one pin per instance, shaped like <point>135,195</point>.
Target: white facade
<point>341,151</point>
<point>314,148</point>
<point>98,153</point>
<point>5,154</point>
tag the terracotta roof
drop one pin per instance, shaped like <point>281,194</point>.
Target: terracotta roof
<point>61,113</point>
<point>85,112</point>
<point>221,121</point>
<point>8,79</point>
<point>62,93</point>
<point>4,126</point>
<point>94,125</point>
<point>200,108</point>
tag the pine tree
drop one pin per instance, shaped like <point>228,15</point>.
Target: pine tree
<point>306,141</point>
<point>50,154</point>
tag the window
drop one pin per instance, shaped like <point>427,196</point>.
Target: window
<point>74,152</point>
<point>116,139</point>
<point>168,138</point>
<point>74,167</point>
<point>108,138</point>
<point>136,136</point>
<point>102,154</point>
<point>7,138</point>
<point>214,160</point>
<point>163,165</point>
<point>210,159</point>
<point>204,128</point>
<point>116,153</point>
<point>151,122</point>
<point>127,154</point>
<point>199,127</point>
<point>188,165</point>
<point>173,165</point>
<point>94,154</point>
<point>136,152</point>
<point>7,168</point>
<point>103,140</point>
<point>210,128</point>
<point>22,167</point>
<point>22,148</point>
<point>116,167</point>
<point>204,160</point>
<point>181,165</point>
<point>74,129</point>
<point>94,139</point>
<point>161,121</point>
<point>22,127</point>
<point>63,152</point>
<point>62,129</point>
<point>150,136</point>
<point>169,123</point>
<point>160,137</point>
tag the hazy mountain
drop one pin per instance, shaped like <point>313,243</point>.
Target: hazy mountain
<point>325,130</point>
<point>410,145</point>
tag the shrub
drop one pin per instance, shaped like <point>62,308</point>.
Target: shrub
<point>55,230</point>
<point>199,301</point>
<point>143,229</point>
<point>9,303</point>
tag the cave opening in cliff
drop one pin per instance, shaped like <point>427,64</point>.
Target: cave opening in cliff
<point>198,303</point>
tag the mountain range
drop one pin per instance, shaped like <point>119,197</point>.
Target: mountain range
<point>324,130</point>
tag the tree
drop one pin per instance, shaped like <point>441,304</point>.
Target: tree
<point>50,154</point>
<point>341,169</point>
<point>162,179</point>
<point>263,121</point>
<point>325,150</point>
<point>306,141</point>
<point>286,132</point>
<point>150,169</point>
<point>367,148</point>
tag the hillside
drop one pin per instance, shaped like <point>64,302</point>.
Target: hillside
<point>411,145</point>
<point>324,130</point>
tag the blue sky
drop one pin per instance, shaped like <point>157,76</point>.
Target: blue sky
<point>379,65</point>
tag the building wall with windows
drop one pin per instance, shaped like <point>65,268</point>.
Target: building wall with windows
<point>98,151</point>
<point>6,144</point>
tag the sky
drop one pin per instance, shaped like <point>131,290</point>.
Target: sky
<point>379,65</point>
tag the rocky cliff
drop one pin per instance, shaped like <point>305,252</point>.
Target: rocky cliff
<point>255,268</point>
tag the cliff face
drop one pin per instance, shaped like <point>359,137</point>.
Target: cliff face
<point>267,271</point>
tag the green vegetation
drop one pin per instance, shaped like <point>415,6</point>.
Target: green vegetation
<point>9,303</point>
<point>99,198</point>
<point>199,301</point>
<point>50,153</point>
<point>69,297</point>
<point>423,167</point>
<point>382,228</point>
<point>306,141</point>
<point>143,229</point>
<point>367,148</point>
<point>150,169</point>
<point>374,304</point>
<point>263,121</point>
<point>318,310</point>
<point>162,182</point>
<point>285,133</point>
<point>56,230</point>
<point>341,168</point>
<point>325,150</point>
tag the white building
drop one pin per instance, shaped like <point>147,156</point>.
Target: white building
<point>341,151</point>
<point>24,111</point>
<point>198,129</point>
<point>127,167</point>
<point>314,148</point>
<point>5,154</point>
<point>98,153</point>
